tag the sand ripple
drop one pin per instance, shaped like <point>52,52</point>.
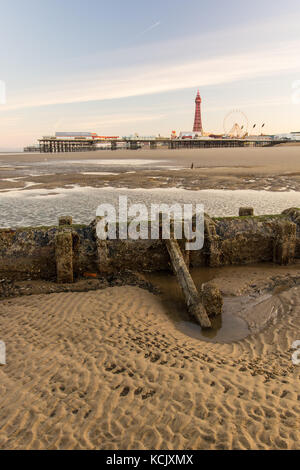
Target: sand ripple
<point>108,370</point>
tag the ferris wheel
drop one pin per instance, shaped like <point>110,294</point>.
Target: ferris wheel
<point>236,124</point>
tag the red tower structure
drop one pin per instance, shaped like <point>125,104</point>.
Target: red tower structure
<point>198,121</point>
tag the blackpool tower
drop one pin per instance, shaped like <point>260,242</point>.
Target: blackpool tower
<point>198,121</point>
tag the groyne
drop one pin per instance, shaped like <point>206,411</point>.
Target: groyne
<point>66,251</point>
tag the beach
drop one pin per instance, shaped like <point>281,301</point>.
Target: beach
<point>106,370</point>
<point>150,229</point>
<point>110,369</point>
<point>272,169</point>
<point>116,363</point>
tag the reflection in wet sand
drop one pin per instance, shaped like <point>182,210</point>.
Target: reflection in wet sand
<point>226,328</point>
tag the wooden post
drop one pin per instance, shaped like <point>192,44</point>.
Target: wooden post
<point>246,211</point>
<point>212,242</point>
<point>65,220</point>
<point>285,243</point>
<point>187,285</point>
<point>64,257</point>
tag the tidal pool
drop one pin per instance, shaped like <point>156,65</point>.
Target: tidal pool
<point>226,328</point>
<point>43,207</point>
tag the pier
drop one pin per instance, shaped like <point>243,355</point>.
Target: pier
<point>58,145</point>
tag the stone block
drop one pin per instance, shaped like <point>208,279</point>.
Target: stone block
<point>212,299</point>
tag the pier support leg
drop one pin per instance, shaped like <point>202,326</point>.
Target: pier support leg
<point>187,285</point>
<point>64,257</point>
<point>133,145</point>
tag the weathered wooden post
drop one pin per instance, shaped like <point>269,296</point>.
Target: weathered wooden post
<point>64,251</point>
<point>212,242</point>
<point>285,243</point>
<point>64,257</point>
<point>187,285</point>
<point>246,211</point>
<point>65,220</point>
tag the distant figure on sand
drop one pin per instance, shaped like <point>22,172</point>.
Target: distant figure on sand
<point>192,166</point>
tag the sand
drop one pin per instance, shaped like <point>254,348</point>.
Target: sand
<point>271,168</point>
<point>110,370</point>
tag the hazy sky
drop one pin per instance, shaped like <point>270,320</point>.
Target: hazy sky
<point>118,67</point>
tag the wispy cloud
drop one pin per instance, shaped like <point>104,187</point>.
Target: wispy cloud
<point>145,80</point>
<point>107,121</point>
<point>209,59</point>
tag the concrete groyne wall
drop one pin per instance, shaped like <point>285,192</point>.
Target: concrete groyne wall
<point>33,252</point>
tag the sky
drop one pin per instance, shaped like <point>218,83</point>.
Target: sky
<point>117,68</point>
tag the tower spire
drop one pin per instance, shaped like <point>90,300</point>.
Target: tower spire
<point>198,120</point>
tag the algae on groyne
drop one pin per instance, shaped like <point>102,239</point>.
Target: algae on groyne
<point>33,252</point>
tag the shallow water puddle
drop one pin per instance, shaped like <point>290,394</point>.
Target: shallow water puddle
<point>82,202</point>
<point>226,328</point>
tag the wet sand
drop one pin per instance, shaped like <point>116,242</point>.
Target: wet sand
<point>273,168</point>
<point>110,369</point>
